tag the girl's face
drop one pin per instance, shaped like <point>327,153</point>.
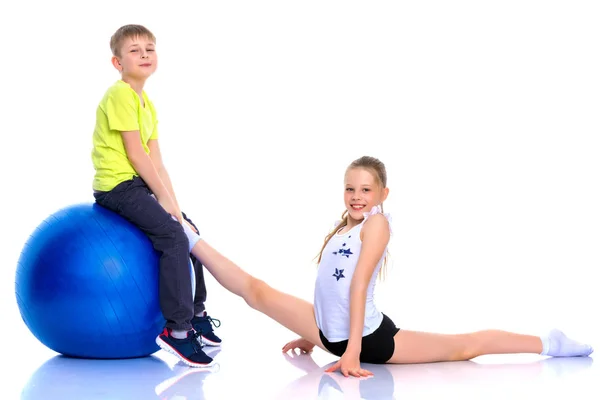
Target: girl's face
<point>362,192</point>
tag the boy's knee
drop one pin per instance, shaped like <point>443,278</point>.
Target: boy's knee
<point>181,238</point>
<point>174,234</point>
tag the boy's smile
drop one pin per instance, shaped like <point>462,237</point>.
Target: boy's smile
<point>138,59</point>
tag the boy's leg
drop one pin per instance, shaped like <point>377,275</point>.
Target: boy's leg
<point>202,322</point>
<point>134,201</point>
<point>200,295</point>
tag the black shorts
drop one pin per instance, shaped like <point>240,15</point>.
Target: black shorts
<point>376,348</point>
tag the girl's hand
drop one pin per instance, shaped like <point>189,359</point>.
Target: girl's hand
<point>349,364</point>
<point>304,345</point>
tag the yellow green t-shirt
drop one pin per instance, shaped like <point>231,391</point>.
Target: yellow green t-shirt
<point>119,110</point>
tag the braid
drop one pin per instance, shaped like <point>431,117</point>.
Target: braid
<point>339,226</point>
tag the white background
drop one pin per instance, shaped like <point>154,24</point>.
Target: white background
<point>485,114</point>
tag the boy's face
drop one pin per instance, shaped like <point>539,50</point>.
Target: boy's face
<point>138,58</point>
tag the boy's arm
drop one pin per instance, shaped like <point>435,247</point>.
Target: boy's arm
<point>145,167</point>
<point>156,158</point>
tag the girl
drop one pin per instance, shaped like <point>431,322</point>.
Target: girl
<point>344,319</point>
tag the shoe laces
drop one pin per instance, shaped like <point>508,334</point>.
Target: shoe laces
<point>205,324</point>
<point>213,321</point>
<point>196,344</point>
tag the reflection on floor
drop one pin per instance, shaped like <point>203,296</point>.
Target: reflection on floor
<point>158,377</point>
<point>250,365</point>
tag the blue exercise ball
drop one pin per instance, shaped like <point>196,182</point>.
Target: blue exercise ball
<point>87,285</point>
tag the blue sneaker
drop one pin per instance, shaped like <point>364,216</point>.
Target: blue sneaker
<point>203,325</point>
<point>188,350</point>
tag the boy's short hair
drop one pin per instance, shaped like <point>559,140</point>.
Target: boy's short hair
<point>125,32</point>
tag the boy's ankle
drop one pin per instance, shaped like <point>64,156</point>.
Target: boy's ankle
<point>179,334</point>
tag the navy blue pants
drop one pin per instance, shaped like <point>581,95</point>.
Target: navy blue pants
<point>133,200</point>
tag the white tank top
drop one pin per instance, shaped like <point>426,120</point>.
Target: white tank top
<point>332,287</point>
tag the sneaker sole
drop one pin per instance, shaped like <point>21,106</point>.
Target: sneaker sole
<point>165,346</point>
<point>210,342</point>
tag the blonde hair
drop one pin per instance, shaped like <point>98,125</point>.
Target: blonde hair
<point>377,169</point>
<point>126,32</point>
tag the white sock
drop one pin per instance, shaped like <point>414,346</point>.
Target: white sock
<point>557,344</point>
<point>179,334</point>
<point>192,236</point>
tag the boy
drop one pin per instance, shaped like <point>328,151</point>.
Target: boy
<point>132,181</point>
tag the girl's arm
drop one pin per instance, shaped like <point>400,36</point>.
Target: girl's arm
<point>375,236</point>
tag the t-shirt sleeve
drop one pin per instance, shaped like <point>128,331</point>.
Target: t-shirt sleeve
<point>122,111</point>
<point>154,123</point>
<point>154,132</point>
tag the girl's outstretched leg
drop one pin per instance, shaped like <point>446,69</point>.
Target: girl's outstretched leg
<point>422,347</point>
<point>293,313</point>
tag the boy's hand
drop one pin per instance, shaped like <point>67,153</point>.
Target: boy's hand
<point>171,207</point>
<point>191,226</point>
